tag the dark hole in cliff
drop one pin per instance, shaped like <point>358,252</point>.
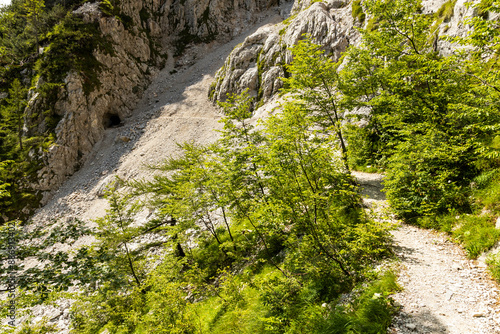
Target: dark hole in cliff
<point>111,121</point>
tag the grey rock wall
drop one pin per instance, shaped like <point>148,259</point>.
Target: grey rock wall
<point>156,30</point>
<point>260,61</point>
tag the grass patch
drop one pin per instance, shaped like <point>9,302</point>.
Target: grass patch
<point>443,223</point>
<point>357,11</point>
<point>488,191</point>
<point>477,234</point>
<point>445,12</point>
<point>493,262</point>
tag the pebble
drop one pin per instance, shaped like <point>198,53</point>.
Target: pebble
<point>479,314</point>
<point>124,139</point>
<point>411,326</point>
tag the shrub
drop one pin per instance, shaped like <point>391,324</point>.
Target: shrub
<point>445,12</point>
<point>427,176</point>
<point>488,192</point>
<point>363,148</point>
<point>357,11</point>
<point>493,262</point>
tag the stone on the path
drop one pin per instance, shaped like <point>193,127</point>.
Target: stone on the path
<point>411,326</point>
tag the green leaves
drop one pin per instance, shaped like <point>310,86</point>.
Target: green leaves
<point>431,116</point>
<point>401,28</point>
<point>313,83</point>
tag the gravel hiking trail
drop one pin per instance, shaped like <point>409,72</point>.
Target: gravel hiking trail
<point>443,291</point>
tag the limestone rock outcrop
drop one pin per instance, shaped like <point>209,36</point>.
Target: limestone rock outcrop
<point>151,34</point>
<point>260,61</point>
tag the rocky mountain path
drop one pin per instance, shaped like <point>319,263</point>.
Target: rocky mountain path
<point>443,291</point>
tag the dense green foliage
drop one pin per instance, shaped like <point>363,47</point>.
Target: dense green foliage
<point>434,119</point>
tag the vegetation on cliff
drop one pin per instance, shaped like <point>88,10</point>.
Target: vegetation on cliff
<point>40,42</point>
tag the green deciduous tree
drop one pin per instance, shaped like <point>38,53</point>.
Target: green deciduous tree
<point>314,82</point>
<point>115,232</point>
<point>312,195</point>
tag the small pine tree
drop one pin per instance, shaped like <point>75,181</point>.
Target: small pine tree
<point>14,113</point>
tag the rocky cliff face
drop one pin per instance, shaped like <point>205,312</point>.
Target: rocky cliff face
<point>151,34</point>
<point>259,62</point>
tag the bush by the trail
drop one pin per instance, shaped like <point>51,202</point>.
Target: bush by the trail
<point>427,176</point>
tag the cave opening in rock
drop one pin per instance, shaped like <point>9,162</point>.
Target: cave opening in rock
<point>111,120</point>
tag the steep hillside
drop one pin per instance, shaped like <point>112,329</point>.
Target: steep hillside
<point>245,217</point>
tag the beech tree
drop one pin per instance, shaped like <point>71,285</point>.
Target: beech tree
<point>314,82</point>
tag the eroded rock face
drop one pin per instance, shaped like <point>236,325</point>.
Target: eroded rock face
<point>329,23</point>
<point>155,31</point>
<point>260,61</point>
<point>206,20</point>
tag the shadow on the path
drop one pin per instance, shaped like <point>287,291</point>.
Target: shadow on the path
<point>373,191</point>
<point>421,321</point>
<point>405,252</point>
<point>371,185</point>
